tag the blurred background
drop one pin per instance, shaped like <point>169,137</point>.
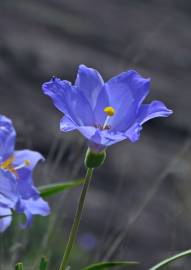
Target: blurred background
<point>139,204</point>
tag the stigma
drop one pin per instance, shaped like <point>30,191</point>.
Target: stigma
<point>27,162</point>
<point>110,111</point>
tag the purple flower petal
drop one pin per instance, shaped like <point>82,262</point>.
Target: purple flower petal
<point>70,101</point>
<point>105,138</point>
<point>25,186</point>
<point>154,109</point>
<point>126,92</point>
<point>32,206</point>
<point>66,124</point>
<point>5,221</point>
<point>111,137</point>
<point>36,206</point>
<point>7,138</point>
<point>28,221</point>
<point>133,133</point>
<point>87,132</point>
<point>102,102</point>
<point>23,156</point>
<point>89,83</point>
<point>8,188</point>
<point>61,94</point>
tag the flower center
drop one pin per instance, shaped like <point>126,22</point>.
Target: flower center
<point>8,165</point>
<point>110,111</point>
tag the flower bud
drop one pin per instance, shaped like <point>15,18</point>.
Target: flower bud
<point>93,159</point>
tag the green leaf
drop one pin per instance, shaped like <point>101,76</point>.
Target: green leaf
<point>49,190</point>
<point>43,263</point>
<point>19,266</point>
<point>108,265</point>
<point>171,259</point>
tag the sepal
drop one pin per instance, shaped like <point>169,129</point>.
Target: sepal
<point>93,159</point>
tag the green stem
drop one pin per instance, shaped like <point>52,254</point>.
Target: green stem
<point>76,222</point>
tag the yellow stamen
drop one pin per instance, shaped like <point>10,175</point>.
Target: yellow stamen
<point>7,165</point>
<point>27,162</point>
<point>110,111</point>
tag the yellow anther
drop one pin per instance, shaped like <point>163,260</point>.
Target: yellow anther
<point>27,162</point>
<point>7,163</point>
<point>110,111</point>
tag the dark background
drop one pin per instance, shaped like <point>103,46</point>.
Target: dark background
<point>139,203</point>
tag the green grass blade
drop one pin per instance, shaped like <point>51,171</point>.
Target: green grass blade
<point>19,266</point>
<point>43,263</point>
<point>171,259</point>
<point>108,265</point>
<point>52,189</point>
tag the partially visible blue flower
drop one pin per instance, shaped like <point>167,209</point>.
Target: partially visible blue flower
<point>17,191</point>
<point>6,219</point>
<point>105,113</point>
<point>87,241</point>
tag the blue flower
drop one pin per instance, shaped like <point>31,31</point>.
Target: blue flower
<point>17,191</point>
<point>105,113</point>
